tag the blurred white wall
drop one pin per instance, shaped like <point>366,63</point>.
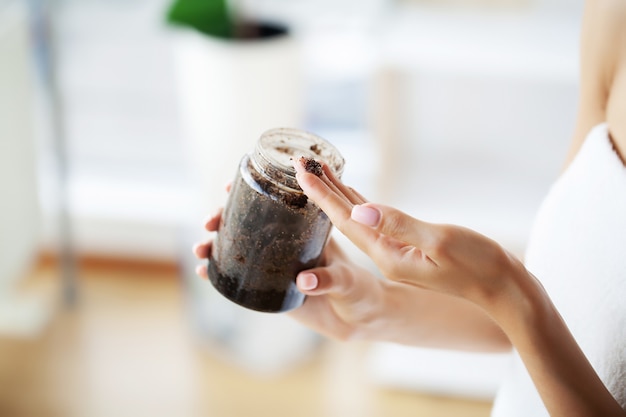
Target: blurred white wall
<point>20,217</point>
<point>126,181</point>
<point>19,210</point>
<point>499,83</point>
<point>481,114</point>
<point>477,112</point>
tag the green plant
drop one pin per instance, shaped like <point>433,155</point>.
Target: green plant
<point>210,17</point>
<point>218,18</point>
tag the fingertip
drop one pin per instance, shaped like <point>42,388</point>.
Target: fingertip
<point>307,282</point>
<point>201,250</point>
<point>298,165</point>
<point>201,271</point>
<point>329,172</point>
<point>304,178</point>
<point>197,250</point>
<point>366,215</point>
<point>311,166</point>
<point>211,223</point>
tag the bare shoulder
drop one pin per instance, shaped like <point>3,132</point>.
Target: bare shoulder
<point>603,71</point>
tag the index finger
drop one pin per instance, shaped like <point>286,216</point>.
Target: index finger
<point>337,208</point>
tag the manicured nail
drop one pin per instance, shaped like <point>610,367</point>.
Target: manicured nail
<point>307,281</point>
<point>369,216</point>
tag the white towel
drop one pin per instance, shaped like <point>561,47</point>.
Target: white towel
<point>577,249</point>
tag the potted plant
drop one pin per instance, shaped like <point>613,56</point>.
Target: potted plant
<point>237,77</point>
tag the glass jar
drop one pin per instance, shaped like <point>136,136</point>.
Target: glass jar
<point>269,231</point>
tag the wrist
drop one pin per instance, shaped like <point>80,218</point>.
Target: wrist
<point>381,320</point>
<point>522,301</point>
<point>386,316</point>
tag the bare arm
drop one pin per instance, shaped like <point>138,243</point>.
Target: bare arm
<point>461,263</point>
<point>602,59</point>
<point>346,301</point>
<point>564,378</point>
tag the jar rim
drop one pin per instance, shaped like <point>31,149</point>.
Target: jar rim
<point>276,148</point>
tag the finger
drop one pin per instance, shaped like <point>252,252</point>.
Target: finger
<point>228,186</point>
<point>402,239</point>
<point>359,197</point>
<point>325,280</point>
<point>337,190</point>
<point>202,250</point>
<point>302,166</point>
<point>394,223</point>
<point>201,271</point>
<point>212,222</point>
<point>328,177</point>
<point>328,198</point>
<point>336,207</point>
<point>318,281</point>
<point>382,249</point>
<point>353,196</point>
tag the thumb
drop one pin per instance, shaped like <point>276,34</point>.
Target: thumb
<point>332,277</point>
<point>324,280</point>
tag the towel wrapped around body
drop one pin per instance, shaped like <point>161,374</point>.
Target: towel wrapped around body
<point>577,249</point>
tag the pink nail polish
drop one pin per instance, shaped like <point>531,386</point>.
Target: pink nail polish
<point>307,281</point>
<point>369,216</point>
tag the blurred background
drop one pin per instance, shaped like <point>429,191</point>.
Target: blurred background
<point>118,132</point>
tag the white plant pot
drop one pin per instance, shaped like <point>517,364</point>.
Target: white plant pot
<point>230,93</point>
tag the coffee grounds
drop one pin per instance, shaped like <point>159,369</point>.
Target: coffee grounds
<point>315,148</point>
<point>312,166</point>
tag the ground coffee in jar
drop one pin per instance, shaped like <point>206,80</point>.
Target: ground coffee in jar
<point>269,230</point>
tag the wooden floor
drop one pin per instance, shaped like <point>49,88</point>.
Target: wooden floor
<point>128,350</point>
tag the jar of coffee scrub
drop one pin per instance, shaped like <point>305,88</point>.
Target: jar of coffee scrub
<point>270,231</point>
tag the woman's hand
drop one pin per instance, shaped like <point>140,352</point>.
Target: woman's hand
<point>343,298</point>
<point>447,259</point>
<point>203,250</point>
<point>344,301</point>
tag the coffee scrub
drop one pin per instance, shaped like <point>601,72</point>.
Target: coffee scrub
<point>269,231</point>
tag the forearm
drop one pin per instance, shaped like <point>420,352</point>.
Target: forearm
<point>413,316</point>
<point>564,378</point>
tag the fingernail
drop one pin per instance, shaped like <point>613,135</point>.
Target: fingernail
<point>369,216</point>
<point>307,282</point>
